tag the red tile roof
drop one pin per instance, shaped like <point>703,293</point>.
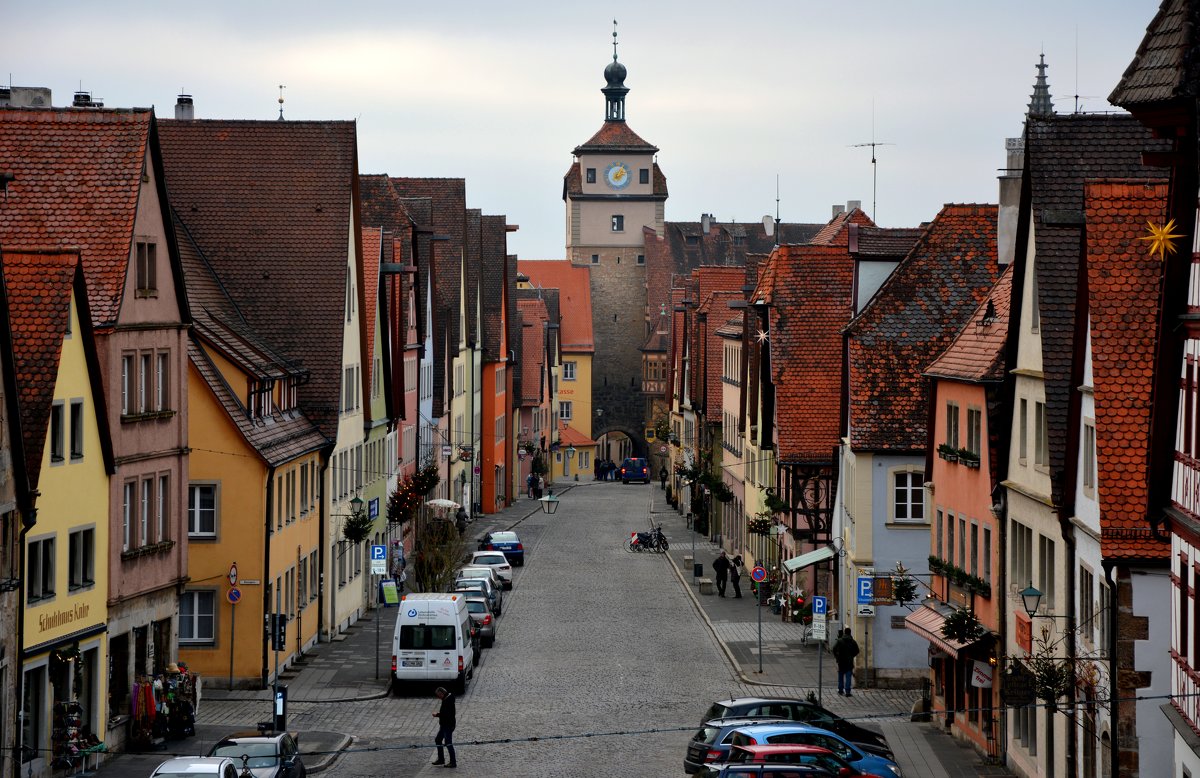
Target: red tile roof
<point>1123,298</point>
<point>615,136</point>
<point>373,242</point>
<point>575,295</point>
<point>270,204</point>
<point>569,436</point>
<point>977,353</point>
<point>38,287</point>
<point>78,176</point>
<point>835,231</point>
<point>910,320</point>
<point>811,305</point>
<point>533,349</point>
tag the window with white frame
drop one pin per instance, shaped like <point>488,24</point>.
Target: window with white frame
<point>952,424</point>
<point>908,503</point>
<point>986,562</point>
<point>145,383</point>
<point>128,381</point>
<point>197,617</point>
<point>568,371</point>
<point>564,410</point>
<point>1023,431</point>
<point>147,502</point>
<point>162,508</point>
<point>39,569</point>
<point>202,510</point>
<point>1087,605</point>
<point>147,269</point>
<point>128,506</point>
<point>1021,554</point>
<point>1089,456</point>
<point>1046,568</point>
<point>81,558</point>
<point>76,430</point>
<point>162,381</point>
<point>1041,441</point>
<point>974,430</point>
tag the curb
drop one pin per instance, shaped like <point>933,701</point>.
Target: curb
<point>359,698</point>
<point>737,668</point>
<point>330,757</point>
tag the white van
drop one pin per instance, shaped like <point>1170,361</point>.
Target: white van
<point>433,641</point>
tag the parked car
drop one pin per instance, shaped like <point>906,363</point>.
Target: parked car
<point>792,753</point>
<point>506,542</point>
<point>192,766</point>
<point>481,571</point>
<point>635,469</point>
<point>805,712</point>
<point>480,611</point>
<point>482,586</point>
<point>803,734</point>
<point>710,744</point>
<point>498,562</point>
<point>765,771</point>
<point>270,755</point>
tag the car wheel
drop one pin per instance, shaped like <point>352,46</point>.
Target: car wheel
<point>460,685</point>
<point>397,688</point>
<point>490,643</point>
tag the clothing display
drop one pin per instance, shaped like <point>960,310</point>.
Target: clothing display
<point>162,708</point>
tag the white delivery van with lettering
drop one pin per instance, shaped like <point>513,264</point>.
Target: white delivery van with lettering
<point>433,641</point>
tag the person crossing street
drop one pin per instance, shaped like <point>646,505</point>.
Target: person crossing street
<point>721,566</point>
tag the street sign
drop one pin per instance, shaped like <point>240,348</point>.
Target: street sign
<point>818,628</point>
<point>759,573</point>
<point>373,508</point>
<point>279,623</point>
<point>866,591</point>
<point>234,595</point>
<point>378,560</point>
<point>820,606</point>
<point>233,574</point>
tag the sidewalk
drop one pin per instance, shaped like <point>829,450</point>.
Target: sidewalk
<point>790,669</point>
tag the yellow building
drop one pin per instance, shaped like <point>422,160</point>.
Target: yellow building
<point>253,496</point>
<point>68,453</point>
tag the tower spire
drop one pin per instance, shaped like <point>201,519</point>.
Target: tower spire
<point>1040,103</point>
<point>615,91</point>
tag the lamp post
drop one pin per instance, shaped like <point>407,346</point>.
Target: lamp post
<point>549,502</point>
<point>1031,598</point>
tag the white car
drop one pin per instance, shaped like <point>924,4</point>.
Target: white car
<point>482,571</point>
<point>498,562</point>
<point>193,766</point>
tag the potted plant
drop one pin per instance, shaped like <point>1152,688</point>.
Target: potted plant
<point>948,452</point>
<point>968,457</point>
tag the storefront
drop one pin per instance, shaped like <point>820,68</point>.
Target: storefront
<point>63,694</point>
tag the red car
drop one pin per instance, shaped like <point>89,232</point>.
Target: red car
<point>781,753</point>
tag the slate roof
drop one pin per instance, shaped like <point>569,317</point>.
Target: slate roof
<point>910,320</point>
<point>1061,152</point>
<point>882,242</point>
<point>615,136</point>
<point>494,287</point>
<point>1123,297</point>
<point>574,286</point>
<point>77,181</point>
<point>1161,70</point>
<point>978,351</point>
<point>272,206</point>
<point>38,287</point>
<point>811,303</point>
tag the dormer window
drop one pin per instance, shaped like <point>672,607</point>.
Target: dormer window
<point>259,403</point>
<point>147,270</point>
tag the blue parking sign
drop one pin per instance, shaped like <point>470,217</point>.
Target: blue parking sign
<point>378,553</point>
<point>820,606</point>
<point>866,590</point>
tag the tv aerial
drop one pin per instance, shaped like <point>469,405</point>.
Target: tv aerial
<point>874,166</point>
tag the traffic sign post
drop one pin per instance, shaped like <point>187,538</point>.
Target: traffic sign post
<point>866,591</point>
<point>378,560</point>
<point>758,575</point>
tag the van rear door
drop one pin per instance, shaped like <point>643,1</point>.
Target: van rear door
<point>428,650</point>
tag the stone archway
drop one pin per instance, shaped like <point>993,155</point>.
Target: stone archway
<point>617,441</point>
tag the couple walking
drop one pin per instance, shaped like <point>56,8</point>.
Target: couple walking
<point>728,571</point>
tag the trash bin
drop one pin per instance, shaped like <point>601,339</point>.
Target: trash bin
<point>698,570</point>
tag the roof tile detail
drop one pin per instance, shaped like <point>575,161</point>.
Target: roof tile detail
<point>575,293</point>
<point>977,353</point>
<point>615,136</point>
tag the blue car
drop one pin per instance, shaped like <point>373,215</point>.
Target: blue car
<point>802,734</point>
<point>506,542</point>
<point>711,743</point>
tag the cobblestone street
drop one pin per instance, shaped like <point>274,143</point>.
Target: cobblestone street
<point>602,659</point>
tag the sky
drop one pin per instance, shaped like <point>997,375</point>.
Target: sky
<point>744,100</point>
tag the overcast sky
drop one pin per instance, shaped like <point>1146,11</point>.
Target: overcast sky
<point>733,94</point>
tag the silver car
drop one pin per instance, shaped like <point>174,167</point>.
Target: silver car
<point>193,766</point>
<point>482,586</point>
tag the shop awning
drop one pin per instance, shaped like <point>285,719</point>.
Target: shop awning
<point>927,622</point>
<point>811,558</point>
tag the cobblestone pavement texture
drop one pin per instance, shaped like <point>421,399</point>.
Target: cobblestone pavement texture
<point>604,661</point>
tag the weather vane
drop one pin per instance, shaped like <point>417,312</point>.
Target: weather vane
<point>614,40</point>
<point>281,88</point>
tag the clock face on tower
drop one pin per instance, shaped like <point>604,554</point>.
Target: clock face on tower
<point>617,175</point>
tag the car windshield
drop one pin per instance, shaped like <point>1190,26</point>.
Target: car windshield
<point>492,559</point>
<point>261,754</point>
<point>427,636</point>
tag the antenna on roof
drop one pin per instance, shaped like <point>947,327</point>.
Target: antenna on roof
<point>874,167</point>
<point>281,88</point>
<point>1077,95</point>
<point>776,197</point>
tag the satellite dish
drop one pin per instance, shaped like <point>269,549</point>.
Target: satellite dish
<point>768,225</point>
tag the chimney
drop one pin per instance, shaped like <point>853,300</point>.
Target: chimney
<point>854,205</point>
<point>838,210</point>
<point>184,110</point>
<point>705,222</point>
<point>84,100</point>
<point>25,96</point>
<point>1010,201</point>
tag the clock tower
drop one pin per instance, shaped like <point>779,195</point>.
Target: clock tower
<point>613,191</point>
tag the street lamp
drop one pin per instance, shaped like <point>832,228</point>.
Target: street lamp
<point>1031,597</point>
<point>549,502</point>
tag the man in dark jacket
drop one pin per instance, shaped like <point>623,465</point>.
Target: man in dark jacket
<point>721,567</point>
<point>845,648</point>
<point>446,722</point>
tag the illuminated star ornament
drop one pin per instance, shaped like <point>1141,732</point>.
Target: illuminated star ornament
<point>762,336</point>
<point>1162,239</point>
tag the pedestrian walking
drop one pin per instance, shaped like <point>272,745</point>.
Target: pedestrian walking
<point>461,519</point>
<point>446,723</point>
<point>530,482</point>
<point>662,477</point>
<point>735,576</point>
<point>721,567</point>
<point>845,648</point>
<point>541,487</point>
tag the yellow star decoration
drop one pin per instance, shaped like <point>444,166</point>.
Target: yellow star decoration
<point>1162,239</point>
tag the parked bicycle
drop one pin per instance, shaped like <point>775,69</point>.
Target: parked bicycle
<point>654,540</point>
